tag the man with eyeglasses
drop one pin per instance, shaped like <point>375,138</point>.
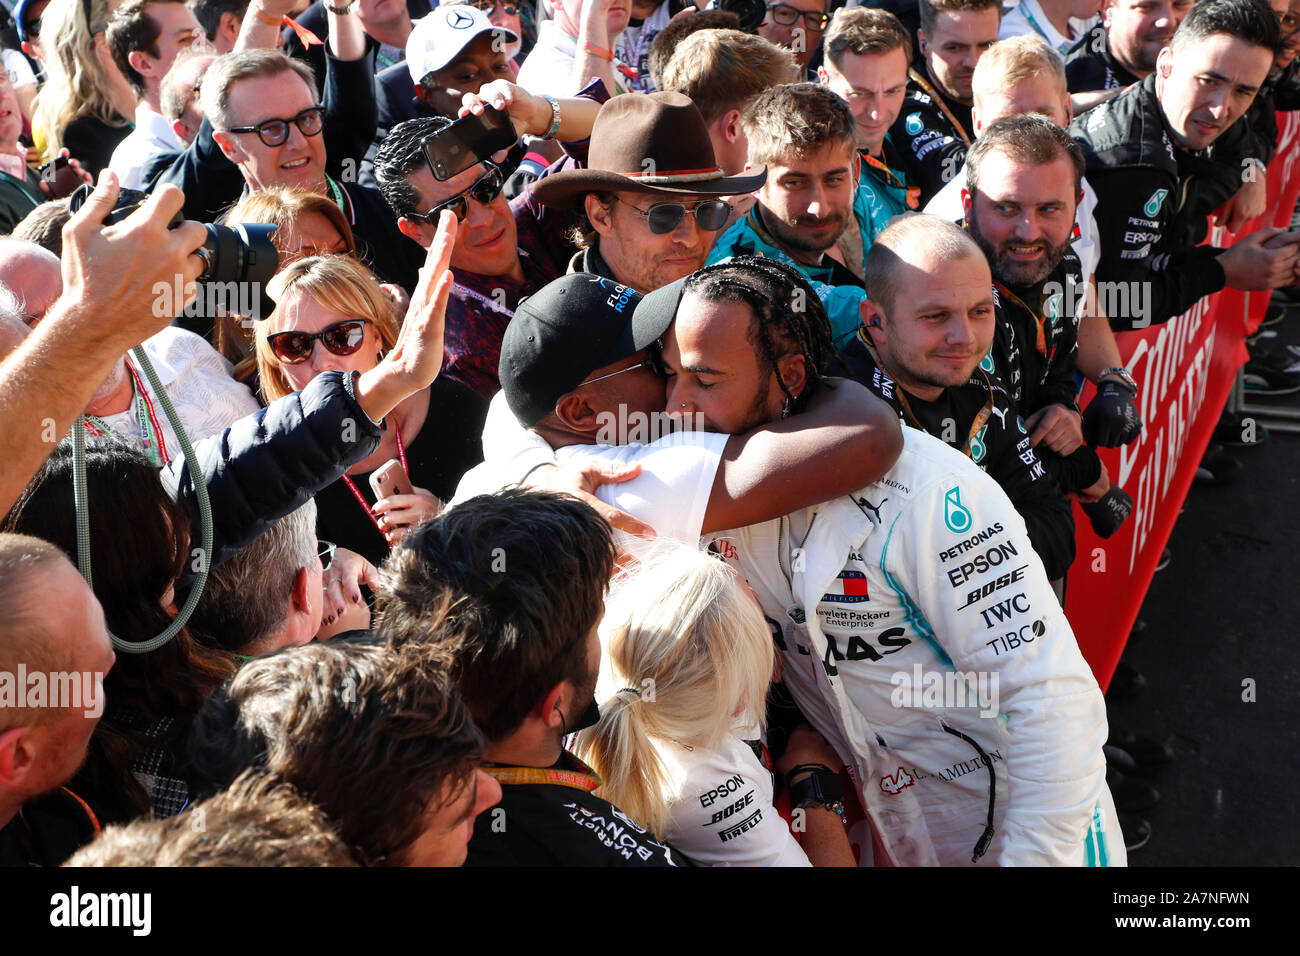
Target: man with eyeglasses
<point>933,130</point>
<point>145,37</point>
<point>796,25</point>
<point>503,251</point>
<point>179,97</point>
<point>653,192</point>
<point>263,119</point>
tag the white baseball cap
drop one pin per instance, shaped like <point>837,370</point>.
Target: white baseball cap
<point>437,38</point>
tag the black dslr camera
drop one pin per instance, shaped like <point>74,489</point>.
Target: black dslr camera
<point>242,253</point>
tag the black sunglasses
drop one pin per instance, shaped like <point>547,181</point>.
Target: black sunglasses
<point>485,190</point>
<point>341,338</point>
<point>275,131</point>
<point>663,217</point>
<point>32,27</point>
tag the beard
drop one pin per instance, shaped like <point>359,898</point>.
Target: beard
<point>1010,271</point>
<point>790,235</point>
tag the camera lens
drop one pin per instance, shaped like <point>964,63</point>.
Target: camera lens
<point>242,253</point>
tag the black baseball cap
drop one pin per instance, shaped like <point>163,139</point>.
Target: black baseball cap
<point>571,327</point>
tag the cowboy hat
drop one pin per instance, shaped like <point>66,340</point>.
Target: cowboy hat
<point>647,143</point>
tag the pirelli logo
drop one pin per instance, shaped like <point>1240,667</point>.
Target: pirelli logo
<point>737,829</point>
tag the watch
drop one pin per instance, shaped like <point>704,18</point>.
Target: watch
<point>342,11</point>
<point>555,116</point>
<point>1123,375</point>
<point>821,788</point>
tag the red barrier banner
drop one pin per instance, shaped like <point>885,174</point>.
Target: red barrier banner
<point>1186,370</point>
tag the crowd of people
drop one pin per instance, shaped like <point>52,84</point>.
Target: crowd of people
<point>687,481</point>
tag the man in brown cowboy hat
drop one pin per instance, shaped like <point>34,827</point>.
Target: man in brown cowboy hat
<point>653,192</point>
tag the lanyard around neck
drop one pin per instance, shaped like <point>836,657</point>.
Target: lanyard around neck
<point>146,420</point>
<point>981,417</point>
<point>356,493</point>
<point>942,104</point>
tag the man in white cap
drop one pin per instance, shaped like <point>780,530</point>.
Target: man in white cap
<point>451,52</point>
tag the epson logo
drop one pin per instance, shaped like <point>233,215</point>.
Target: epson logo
<point>731,785</point>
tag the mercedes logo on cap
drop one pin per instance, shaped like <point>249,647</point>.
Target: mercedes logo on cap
<point>459,20</point>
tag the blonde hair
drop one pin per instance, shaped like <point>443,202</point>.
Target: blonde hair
<point>281,206</point>
<point>340,284</point>
<point>693,654</point>
<point>724,70</point>
<point>1015,60</point>
<point>75,84</point>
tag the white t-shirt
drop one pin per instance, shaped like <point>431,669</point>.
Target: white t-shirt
<point>671,494</point>
<point>723,814</point>
<point>152,135</point>
<point>1028,17</point>
<point>197,380</point>
<point>19,70</point>
<point>548,68</point>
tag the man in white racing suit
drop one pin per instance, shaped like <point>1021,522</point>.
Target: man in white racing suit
<point>920,634</point>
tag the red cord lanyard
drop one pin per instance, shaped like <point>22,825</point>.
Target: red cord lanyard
<point>352,485</point>
<point>94,820</point>
<point>146,420</point>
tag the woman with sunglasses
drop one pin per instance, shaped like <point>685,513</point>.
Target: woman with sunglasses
<point>331,314</point>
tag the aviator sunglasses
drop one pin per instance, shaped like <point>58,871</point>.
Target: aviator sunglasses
<point>664,217</point>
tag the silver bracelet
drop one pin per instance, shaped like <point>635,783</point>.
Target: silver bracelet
<point>555,116</point>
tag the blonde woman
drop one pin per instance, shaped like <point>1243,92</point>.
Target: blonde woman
<point>678,746</point>
<point>85,103</point>
<point>331,314</point>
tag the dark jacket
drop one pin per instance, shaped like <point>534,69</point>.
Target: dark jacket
<point>269,463</point>
<point>932,148</point>
<point>1043,370</point>
<point>1148,215</point>
<point>555,820</point>
<point>1000,446</point>
<point>1091,66</point>
<point>17,199</point>
<point>91,141</point>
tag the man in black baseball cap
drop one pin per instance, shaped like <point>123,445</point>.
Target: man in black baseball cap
<point>579,369</point>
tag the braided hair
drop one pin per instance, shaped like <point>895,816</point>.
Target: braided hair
<point>789,316</point>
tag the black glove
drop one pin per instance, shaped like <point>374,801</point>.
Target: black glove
<point>1109,511</point>
<point>1111,418</point>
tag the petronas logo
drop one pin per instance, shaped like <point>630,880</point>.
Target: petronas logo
<point>1152,208</point>
<point>913,123</point>
<point>955,515</point>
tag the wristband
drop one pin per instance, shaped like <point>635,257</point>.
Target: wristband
<point>339,11</point>
<point>821,788</point>
<point>599,51</point>
<point>555,116</point>
<point>266,18</point>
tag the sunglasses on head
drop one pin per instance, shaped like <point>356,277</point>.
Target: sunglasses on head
<point>484,191</point>
<point>325,551</point>
<point>341,338</point>
<point>663,217</point>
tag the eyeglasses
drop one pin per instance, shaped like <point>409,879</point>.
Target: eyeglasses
<point>484,191</point>
<point>325,551</point>
<point>663,217</point>
<point>648,363</point>
<point>487,6</point>
<point>788,16</point>
<point>341,338</point>
<point>275,131</point>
